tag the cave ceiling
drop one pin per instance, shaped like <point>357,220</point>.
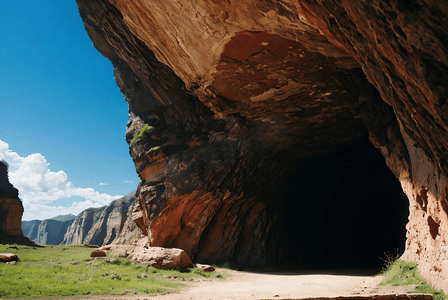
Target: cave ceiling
<point>238,93</point>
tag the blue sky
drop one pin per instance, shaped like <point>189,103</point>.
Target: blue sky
<point>62,117</point>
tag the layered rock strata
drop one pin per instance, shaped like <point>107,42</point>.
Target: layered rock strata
<point>245,96</point>
<point>11,208</point>
<point>104,225</point>
<point>50,232</point>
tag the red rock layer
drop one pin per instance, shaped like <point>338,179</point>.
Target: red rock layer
<point>238,91</point>
<point>11,208</point>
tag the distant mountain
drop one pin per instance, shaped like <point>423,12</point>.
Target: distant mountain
<point>104,225</point>
<point>64,217</point>
<point>49,231</point>
<point>100,226</point>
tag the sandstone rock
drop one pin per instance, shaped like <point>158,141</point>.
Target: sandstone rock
<point>98,253</point>
<point>161,258</point>
<point>11,208</point>
<point>261,120</point>
<point>7,257</point>
<point>205,268</point>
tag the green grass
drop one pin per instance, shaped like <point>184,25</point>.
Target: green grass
<point>402,272</point>
<point>69,270</point>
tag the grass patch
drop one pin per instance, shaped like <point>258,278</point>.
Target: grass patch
<point>69,270</point>
<point>400,272</point>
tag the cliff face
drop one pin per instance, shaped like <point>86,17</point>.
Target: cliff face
<point>11,208</point>
<point>264,116</point>
<point>50,232</point>
<point>104,225</point>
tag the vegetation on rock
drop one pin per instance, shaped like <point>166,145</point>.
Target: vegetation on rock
<point>142,131</point>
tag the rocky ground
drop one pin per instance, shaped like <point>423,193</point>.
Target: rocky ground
<point>278,285</point>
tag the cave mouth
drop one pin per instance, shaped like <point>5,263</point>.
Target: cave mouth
<point>345,209</point>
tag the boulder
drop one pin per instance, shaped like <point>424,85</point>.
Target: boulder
<point>205,268</point>
<point>98,253</point>
<point>7,257</point>
<point>161,258</point>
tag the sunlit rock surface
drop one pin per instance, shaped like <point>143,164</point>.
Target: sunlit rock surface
<point>104,225</point>
<point>265,117</point>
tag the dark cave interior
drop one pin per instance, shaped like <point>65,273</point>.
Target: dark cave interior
<point>342,210</point>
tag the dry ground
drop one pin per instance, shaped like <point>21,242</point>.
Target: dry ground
<point>278,285</point>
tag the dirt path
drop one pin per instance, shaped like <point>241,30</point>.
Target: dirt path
<point>248,285</point>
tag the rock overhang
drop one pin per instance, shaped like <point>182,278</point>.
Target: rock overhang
<point>217,137</point>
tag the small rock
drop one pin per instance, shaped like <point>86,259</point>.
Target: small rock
<point>108,247</point>
<point>11,262</point>
<point>5,257</point>
<point>98,253</point>
<point>205,268</point>
<point>144,275</point>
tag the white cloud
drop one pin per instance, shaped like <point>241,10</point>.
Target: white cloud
<point>102,183</point>
<point>42,211</point>
<point>127,181</point>
<point>39,186</point>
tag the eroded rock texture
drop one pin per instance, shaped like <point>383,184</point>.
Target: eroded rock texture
<point>50,232</point>
<point>105,225</point>
<point>264,114</point>
<point>11,208</point>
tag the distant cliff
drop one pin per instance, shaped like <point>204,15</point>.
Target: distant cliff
<point>104,225</point>
<point>50,232</point>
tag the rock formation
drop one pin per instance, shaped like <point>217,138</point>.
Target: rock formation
<point>104,225</point>
<point>157,257</point>
<point>11,208</point>
<point>110,224</point>
<point>50,231</point>
<point>265,117</point>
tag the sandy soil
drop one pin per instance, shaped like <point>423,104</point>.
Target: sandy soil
<point>284,285</point>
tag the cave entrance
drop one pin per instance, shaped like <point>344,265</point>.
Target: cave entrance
<point>343,210</point>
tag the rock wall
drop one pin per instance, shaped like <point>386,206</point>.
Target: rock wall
<point>11,208</point>
<point>50,232</point>
<point>104,225</point>
<point>241,95</point>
